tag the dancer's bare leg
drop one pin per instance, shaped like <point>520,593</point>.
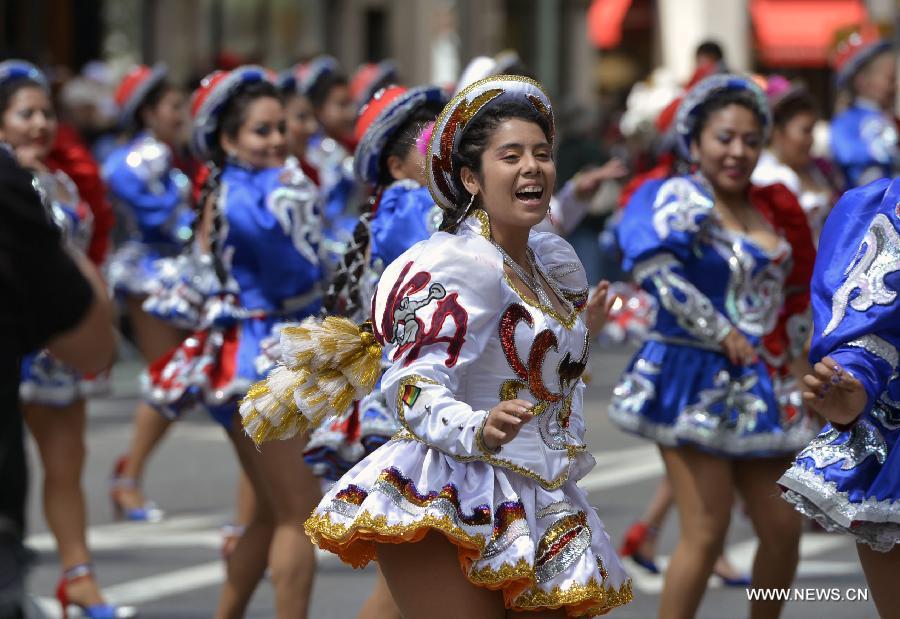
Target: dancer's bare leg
<point>59,433</point>
<point>380,604</point>
<point>250,556</point>
<point>286,493</point>
<point>881,570</point>
<point>777,524</point>
<point>704,491</point>
<point>154,338</point>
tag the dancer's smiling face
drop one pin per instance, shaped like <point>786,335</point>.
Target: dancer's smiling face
<point>166,116</point>
<point>301,124</point>
<point>727,147</point>
<point>260,139</point>
<point>517,174</point>
<point>28,122</point>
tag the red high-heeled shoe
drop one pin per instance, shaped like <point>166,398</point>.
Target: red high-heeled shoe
<point>95,611</point>
<point>635,536</point>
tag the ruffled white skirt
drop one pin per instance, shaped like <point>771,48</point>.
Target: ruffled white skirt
<point>543,549</point>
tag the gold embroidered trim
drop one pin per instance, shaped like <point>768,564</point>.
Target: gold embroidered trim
<point>509,390</point>
<point>591,598</point>
<point>479,439</point>
<point>482,217</point>
<point>490,577</point>
<point>567,322</point>
<point>554,484</point>
<point>355,544</point>
<point>550,484</point>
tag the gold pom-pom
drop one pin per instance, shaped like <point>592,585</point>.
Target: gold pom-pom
<point>325,365</point>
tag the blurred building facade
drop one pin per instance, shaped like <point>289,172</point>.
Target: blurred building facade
<point>431,40</point>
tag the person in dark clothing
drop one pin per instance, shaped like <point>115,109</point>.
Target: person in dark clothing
<point>50,299</point>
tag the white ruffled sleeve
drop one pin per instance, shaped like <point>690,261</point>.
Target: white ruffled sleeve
<point>436,308</point>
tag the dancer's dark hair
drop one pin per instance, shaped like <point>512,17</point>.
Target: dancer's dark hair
<point>344,296</point>
<point>9,89</point>
<point>233,117</point>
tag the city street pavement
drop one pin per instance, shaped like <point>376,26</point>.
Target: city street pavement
<point>173,570</point>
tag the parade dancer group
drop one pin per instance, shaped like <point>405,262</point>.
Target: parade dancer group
<point>365,285</point>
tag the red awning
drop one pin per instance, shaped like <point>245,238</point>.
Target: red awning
<point>604,22</point>
<point>800,33</point>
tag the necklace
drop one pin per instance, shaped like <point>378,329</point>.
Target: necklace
<point>531,280</point>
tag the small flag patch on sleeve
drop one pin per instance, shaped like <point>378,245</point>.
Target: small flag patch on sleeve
<point>410,395</point>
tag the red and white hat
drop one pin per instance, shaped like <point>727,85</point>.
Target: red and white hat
<point>135,87</point>
<point>855,48</point>
<point>208,102</point>
<point>370,78</point>
<point>457,115</point>
<point>381,118</point>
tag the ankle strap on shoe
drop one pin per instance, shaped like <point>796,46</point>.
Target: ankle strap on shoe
<point>123,483</point>
<point>78,571</point>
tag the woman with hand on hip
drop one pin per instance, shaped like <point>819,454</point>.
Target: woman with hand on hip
<point>714,252</point>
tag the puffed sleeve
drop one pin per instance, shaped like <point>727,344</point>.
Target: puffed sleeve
<point>788,217</point>
<point>657,236</point>
<point>139,177</point>
<point>856,312</point>
<point>402,219</point>
<point>435,309</point>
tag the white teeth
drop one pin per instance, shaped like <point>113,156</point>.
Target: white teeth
<point>533,189</point>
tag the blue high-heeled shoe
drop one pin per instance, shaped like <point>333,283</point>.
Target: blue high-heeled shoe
<point>636,535</point>
<point>96,611</point>
<point>738,581</point>
<point>148,512</point>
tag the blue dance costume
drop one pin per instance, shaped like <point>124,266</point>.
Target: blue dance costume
<point>848,479</point>
<point>680,388</point>
<point>45,380</point>
<point>270,241</point>
<point>864,143</point>
<point>152,200</point>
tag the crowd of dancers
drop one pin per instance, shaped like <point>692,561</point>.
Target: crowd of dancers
<point>367,286</point>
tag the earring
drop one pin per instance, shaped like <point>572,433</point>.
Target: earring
<point>471,202</point>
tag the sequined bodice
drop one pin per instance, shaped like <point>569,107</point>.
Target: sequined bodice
<point>461,338</point>
<point>538,357</point>
<point>71,215</point>
<point>750,282</point>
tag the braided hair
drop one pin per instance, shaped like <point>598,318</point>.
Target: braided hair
<point>344,296</point>
<point>472,145</point>
<point>232,117</point>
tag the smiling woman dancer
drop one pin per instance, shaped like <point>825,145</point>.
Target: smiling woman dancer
<point>726,263</point>
<point>487,326</point>
<point>260,229</point>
